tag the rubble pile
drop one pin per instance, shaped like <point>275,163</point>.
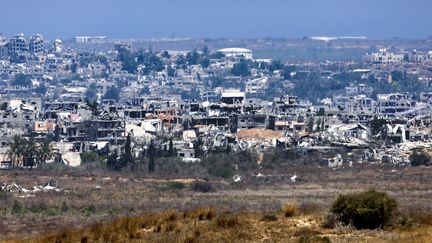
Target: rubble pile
<point>19,189</point>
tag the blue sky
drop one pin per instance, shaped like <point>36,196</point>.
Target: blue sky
<point>217,18</point>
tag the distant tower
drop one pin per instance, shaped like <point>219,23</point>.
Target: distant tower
<point>36,44</point>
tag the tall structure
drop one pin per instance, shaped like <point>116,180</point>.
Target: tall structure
<point>17,45</point>
<point>36,44</point>
<point>3,46</point>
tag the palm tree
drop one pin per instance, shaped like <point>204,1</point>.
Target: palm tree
<point>30,151</point>
<point>45,151</point>
<point>17,150</point>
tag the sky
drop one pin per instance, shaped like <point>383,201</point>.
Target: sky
<point>377,19</point>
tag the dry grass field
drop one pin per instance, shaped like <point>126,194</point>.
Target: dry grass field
<point>103,206</point>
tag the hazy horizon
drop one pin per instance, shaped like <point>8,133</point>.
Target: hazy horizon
<point>222,19</point>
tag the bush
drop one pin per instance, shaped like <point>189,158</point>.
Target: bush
<point>222,171</point>
<point>89,157</point>
<point>419,157</point>
<point>289,210</point>
<point>227,220</point>
<point>365,210</point>
<point>203,187</point>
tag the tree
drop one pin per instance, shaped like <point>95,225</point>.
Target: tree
<point>241,69</point>
<point>419,157</point>
<point>192,57</point>
<point>217,55</point>
<point>321,112</point>
<point>171,71</point>
<point>377,125</point>
<point>149,61</point>
<point>310,124</point>
<point>204,62</point>
<point>151,155</point>
<point>22,80</point>
<point>127,157</point>
<point>16,150</point>
<point>276,65</point>
<point>129,62</point>
<point>45,151</point>
<point>197,145</point>
<point>181,62</point>
<point>93,106</point>
<point>171,150</point>
<point>30,152</point>
<point>112,162</point>
<point>397,75</point>
<point>205,50</point>
<point>165,55</point>
<point>57,133</point>
<point>194,94</point>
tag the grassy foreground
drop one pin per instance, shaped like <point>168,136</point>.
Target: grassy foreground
<point>209,225</point>
<point>100,206</point>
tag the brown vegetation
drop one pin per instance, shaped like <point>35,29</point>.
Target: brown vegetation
<point>91,198</point>
<point>206,224</point>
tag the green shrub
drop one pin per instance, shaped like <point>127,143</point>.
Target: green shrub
<point>222,171</point>
<point>365,210</point>
<point>89,157</point>
<point>419,157</point>
<point>202,187</point>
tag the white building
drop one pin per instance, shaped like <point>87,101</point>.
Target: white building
<point>257,85</point>
<point>90,39</point>
<point>237,53</point>
<point>383,56</point>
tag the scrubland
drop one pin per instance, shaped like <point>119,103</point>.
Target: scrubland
<point>105,206</point>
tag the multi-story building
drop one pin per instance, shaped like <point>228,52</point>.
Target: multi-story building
<point>391,104</point>
<point>383,56</point>
<point>36,44</point>
<point>17,45</point>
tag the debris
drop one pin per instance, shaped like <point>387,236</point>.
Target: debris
<point>259,175</point>
<point>15,188</point>
<point>258,134</point>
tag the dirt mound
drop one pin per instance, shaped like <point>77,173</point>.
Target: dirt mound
<point>258,133</point>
